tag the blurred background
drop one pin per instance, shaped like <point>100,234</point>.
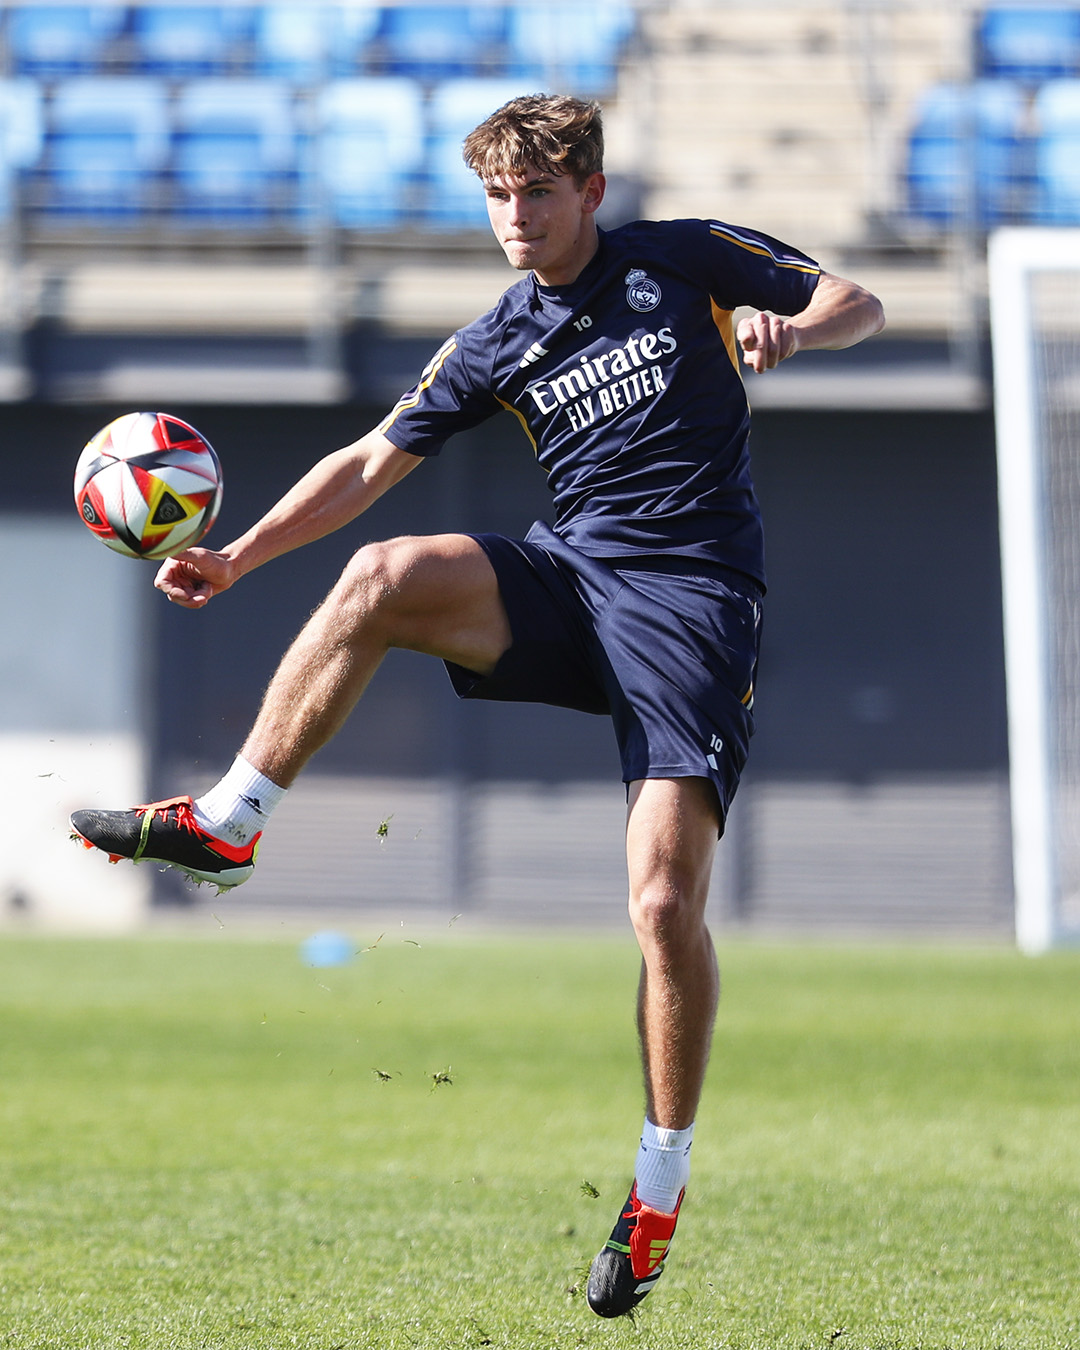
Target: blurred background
<point>255,216</point>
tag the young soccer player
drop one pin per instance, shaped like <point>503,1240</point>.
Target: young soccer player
<point>618,355</point>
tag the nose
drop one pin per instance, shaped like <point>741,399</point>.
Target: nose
<point>519,211</point>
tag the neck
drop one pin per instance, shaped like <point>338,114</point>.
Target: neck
<point>573,268</point>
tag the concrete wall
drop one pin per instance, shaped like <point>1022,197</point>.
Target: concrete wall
<point>73,660</point>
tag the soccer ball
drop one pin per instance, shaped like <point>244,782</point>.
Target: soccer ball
<point>148,485</point>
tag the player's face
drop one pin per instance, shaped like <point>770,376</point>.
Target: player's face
<point>545,222</point>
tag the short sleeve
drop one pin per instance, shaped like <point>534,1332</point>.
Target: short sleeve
<point>745,267</point>
<point>453,393</point>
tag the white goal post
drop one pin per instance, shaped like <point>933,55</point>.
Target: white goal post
<point>1034,280</point>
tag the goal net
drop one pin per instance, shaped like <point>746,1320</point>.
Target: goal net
<point>1035,328</point>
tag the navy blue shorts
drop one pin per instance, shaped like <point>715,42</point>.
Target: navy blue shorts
<point>669,652</point>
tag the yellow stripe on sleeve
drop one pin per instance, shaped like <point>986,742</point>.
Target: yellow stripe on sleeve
<point>410,400</point>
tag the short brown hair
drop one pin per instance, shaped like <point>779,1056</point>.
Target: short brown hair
<point>551,132</point>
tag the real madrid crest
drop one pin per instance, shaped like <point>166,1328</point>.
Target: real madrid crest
<point>641,293</point>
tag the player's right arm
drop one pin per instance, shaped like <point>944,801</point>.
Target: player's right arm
<point>335,491</point>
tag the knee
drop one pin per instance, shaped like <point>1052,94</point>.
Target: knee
<point>372,578</point>
<point>668,909</point>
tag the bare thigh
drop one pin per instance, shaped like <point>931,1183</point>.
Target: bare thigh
<point>436,594</point>
<point>671,836</point>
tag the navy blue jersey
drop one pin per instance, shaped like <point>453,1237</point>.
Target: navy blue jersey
<point>627,384</point>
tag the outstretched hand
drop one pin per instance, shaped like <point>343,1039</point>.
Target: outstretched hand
<point>194,577</point>
<point>766,340</point>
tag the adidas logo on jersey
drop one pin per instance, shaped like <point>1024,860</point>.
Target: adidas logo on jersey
<point>535,352</point>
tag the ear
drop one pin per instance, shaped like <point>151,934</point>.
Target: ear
<point>593,192</point>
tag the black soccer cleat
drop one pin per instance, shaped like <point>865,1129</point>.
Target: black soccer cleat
<point>632,1259</point>
<point>167,832</point>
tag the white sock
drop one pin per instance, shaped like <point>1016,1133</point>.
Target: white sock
<point>663,1166</point>
<point>238,806</point>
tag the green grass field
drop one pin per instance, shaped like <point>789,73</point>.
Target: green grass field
<point>197,1150</point>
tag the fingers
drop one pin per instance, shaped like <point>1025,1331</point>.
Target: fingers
<point>181,588</point>
<point>193,578</point>
<point>766,340</point>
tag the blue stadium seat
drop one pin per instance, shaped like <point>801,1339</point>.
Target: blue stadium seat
<point>305,43</point>
<point>966,154</point>
<point>21,122</point>
<point>352,31</point>
<point>1057,153</point>
<point>107,147</point>
<point>1029,43</point>
<point>454,196</point>
<point>567,46</point>
<point>370,143</point>
<point>191,40</point>
<point>441,42</point>
<point>235,154</point>
<point>21,135</point>
<point>55,40</point>
<point>293,41</point>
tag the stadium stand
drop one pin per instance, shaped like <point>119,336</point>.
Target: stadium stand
<point>1003,147</point>
<point>441,42</point>
<point>352,30</point>
<point>107,148</point>
<point>816,155</point>
<point>966,153</point>
<point>21,137</point>
<point>235,159</point>
<point>370,135</point>
<point>456,107</point>
<point>1029,44</point>
<point>192,40</point>
<point>307,43</point>
<point>1057,153</point>
<point>292,41</point>
<point>52,40</point>
<point>568,46</point>
<point>864,142</point>
<point>238,166</point>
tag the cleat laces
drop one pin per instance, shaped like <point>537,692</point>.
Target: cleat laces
<point>185,820</point>
<point>167,832</point>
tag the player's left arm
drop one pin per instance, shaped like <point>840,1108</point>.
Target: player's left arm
<point>840,314</point>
